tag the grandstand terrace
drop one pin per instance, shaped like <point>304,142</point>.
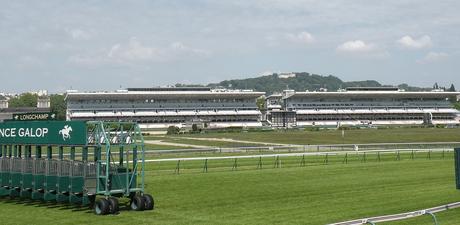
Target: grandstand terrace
<point>171,106</point>
<point>362,106</point>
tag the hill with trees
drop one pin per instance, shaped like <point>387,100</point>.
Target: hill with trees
<point>302,81</point>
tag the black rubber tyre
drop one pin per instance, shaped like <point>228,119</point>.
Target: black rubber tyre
<point>101,207</point>
<point>12,195</point>
<point>92,201</point>
<point>137,203</point>
<point>113,205</point>
<point>149,202</point>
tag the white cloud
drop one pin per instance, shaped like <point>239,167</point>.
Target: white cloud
<point>412,43</point>
<point>433,57</point>
<point>360,47</point>
<point>302,38</point>
<point>356,46</point>
<point>88,60</point>
<point>179,49</point>
<point>135,52</point>
<point>78,34</point>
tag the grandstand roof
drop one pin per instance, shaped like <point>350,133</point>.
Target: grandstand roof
<point>373,111</point>
<point>163,94</point>
<point>375,94</point>
<point>372,88</point>
<point>169,113</point>
<point>171,89</point>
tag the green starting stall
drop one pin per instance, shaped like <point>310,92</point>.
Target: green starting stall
<point>457,167</point>
<point>86,163</point>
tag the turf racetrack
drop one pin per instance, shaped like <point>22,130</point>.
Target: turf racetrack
<point>316,194</point>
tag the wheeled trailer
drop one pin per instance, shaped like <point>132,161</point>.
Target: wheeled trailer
<point>86,163</point>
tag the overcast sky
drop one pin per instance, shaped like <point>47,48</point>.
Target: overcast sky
<point>102,45</point>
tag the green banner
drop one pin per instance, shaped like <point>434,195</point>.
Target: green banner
<point>43,132</point>
<point>34,116</point>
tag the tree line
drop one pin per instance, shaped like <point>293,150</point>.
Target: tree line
<point>437,87</point>
<point>270,84</point>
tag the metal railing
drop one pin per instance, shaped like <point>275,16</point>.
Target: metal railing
<point>310,148</point>
<point>395,151</point>
<point>300,148</point>
<point>402,216</point>
<point>300,159</point>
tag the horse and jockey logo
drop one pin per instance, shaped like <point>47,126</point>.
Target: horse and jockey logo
<point>65,132</point>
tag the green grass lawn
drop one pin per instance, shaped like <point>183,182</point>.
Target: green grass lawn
<point>213,165</point>
<point>396,135</point>
<point>316,194</point>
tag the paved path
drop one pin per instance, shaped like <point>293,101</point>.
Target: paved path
<point>161,142</point>
<point>233,140</point>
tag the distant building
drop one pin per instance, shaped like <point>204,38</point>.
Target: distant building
<point>43,101</point>
<point>273,103</point>
<point>361,106</point>
<point>3,102</point>
<point>170,106</point>
<point>42,92</point>
<point>286,75</point>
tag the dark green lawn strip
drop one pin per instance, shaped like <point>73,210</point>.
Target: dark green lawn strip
<point>394,135</point>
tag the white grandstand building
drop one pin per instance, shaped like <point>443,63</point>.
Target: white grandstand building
<point>361,106</point>
<point>164,107</point>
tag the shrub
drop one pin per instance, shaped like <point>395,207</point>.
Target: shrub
<point>173,130</point>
